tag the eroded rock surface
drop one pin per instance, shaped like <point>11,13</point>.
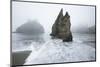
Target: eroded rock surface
<point>61,27</point>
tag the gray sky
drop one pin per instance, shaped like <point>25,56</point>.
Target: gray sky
<point>46,14</point>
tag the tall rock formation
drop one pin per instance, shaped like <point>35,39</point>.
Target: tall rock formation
<point>61,27</point>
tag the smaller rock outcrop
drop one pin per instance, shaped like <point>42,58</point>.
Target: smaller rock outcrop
<point>61,27</point>
<point>92,29</point>
<point>30,28</point>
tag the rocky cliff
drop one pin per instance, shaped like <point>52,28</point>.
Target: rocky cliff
<point>61,27</point>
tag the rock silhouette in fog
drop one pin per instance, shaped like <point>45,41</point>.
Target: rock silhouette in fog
<point>61,27</point>
<point>92,29</point>
<point>31,28</point>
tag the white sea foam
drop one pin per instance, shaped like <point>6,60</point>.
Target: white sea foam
<point>47,50</point>
<point>56,51</point>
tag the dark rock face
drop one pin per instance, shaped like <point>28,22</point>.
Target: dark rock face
<point>31,28</point>
<point>61,27</point>
<point>92,29</point>
<point>18,58</point>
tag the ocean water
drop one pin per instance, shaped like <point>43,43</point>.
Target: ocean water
<point>47,50</point>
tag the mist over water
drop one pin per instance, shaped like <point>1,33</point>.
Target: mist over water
<point>46,14</point>
<point>47,50</point>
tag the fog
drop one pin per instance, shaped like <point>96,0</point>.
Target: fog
<point>28,17</point>
<point>46,14</point>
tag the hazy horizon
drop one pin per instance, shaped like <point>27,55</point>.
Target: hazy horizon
<point>46,14</point>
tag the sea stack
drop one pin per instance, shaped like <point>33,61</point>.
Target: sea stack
<point>61,27</point>
<point>30,28</point>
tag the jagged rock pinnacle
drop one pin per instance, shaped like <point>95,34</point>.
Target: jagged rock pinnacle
<point>61,27</point>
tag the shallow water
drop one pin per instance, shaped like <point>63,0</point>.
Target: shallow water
<point>21,42</point>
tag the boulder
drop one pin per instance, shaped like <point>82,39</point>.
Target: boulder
<point>61,27</point>
<point>31,28</point>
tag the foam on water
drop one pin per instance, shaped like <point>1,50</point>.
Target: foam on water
<point>47,50</point>
<point>55,51</point>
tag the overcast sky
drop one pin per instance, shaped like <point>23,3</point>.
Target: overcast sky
<point>46,14</point>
